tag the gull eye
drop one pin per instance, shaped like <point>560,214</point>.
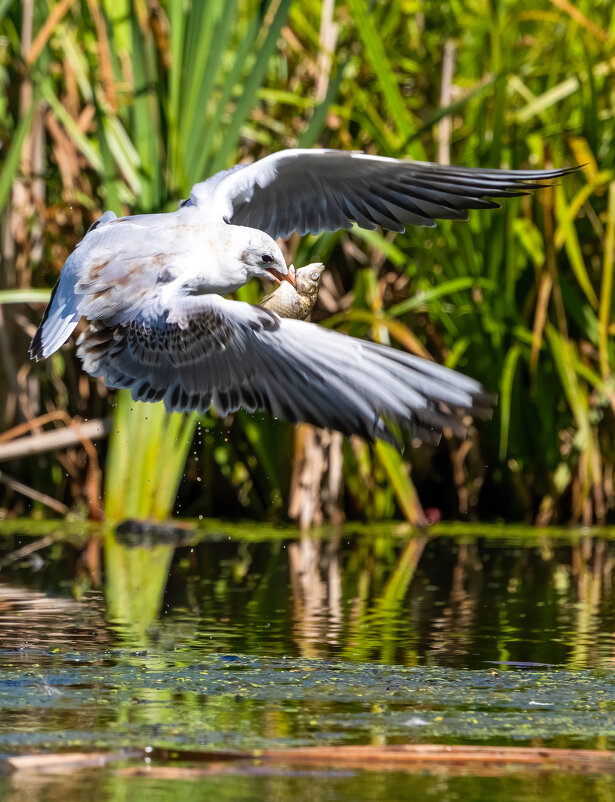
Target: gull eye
<point>266,257</point>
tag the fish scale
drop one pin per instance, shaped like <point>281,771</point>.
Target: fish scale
<point>296,302</point>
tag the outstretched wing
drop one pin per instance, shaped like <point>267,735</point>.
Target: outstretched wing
<point>205,350</point>
<point>317,190</point>
<point>111,273</point>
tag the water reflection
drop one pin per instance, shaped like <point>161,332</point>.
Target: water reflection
<point>303,786</point>
<point>370,597</point>
<point>32,621</point>
<point>137,563</point>
<point>246,639</point>
<point>316,583</point>
<point>438,602</point>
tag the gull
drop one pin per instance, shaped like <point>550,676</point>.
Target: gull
<point>151,287</point>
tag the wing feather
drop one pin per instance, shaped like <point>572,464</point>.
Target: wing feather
<point>207,349</point>
<point>114,272</point>
<point>312,190</point>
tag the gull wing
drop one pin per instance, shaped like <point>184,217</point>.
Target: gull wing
<point>206,350</point>
<point>111,274</point>
<point>313,190</point>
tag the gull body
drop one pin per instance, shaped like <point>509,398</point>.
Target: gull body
<point>151,288</point>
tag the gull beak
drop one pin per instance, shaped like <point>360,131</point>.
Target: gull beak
<point>278,277</point>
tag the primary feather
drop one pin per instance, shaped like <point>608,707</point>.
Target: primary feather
<point>207,350</point>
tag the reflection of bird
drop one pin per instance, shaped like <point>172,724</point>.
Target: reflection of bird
<point>151,287</point>
<point>298,301</point>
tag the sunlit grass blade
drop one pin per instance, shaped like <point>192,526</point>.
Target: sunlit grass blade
<point>147,455</point>
<point>505,399</point>
<point>88,149</point>
<point>205,160</point>
<point>200,99</point>
<point>573,246</point>
<point>405,491</point>
<point>24,296</point>
<point>424,297</point>
<point>375,51</point>
<point>246,101</point>
<point>12,162</point>
<point>606,289</point>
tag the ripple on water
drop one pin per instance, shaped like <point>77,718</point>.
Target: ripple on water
<point>489,645</point>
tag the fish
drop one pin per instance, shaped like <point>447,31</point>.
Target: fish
<point>296,302</point>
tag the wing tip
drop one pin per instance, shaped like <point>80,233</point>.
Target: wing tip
<point>35,350</point>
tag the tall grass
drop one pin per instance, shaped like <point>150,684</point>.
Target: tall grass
<point>139,100</point>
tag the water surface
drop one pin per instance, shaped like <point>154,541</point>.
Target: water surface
<point>238,638</point>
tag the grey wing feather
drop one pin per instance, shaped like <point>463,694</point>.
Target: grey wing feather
<point>109,275</point>
<point>61,316</point>
<point>105,218</point>
<point>316,190</point>
<point>207,350</point>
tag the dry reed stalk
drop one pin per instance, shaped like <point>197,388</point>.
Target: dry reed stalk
<point>77,434</point>
<point>445,128</point>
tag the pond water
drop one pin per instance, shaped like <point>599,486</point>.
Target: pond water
<point>239,637</point>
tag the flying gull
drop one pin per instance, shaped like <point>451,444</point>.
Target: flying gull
<point>152,286</point>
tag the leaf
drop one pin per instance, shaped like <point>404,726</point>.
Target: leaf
<point>506,387</point>
<point>396,329</point>
<point>24,296</point>
<point>250,87</point>
<point>13,160</point>
<point>405,491</point>
<point>606,289</point>
<point>573,246</point>
<point>72,129</point>
<point>560,91</point>
<point>375,51</point>
<point>5,7</point>
<point>423,297</point>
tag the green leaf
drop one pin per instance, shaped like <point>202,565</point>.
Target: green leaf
<point>423,297</point>
<point>13,160</point>
<point>376,53</point>
<point>506,387</point>
<point>397,472</point>
<point>573,247</point>
<point>25,296</point>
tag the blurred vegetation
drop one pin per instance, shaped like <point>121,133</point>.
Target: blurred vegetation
<point>124,104</point>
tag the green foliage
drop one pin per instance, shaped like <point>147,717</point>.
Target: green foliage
<point>146,459</point>
<point>521,298</point>
<point>135,579</point>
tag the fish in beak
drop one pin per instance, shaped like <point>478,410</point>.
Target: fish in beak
<point>278,277</point>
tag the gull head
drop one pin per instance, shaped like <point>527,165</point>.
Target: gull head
<point>263,258</point>
<point>243,253</point>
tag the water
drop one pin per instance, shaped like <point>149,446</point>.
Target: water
<point>243,638</point>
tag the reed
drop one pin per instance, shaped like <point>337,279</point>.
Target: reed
<point>125,104</point>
